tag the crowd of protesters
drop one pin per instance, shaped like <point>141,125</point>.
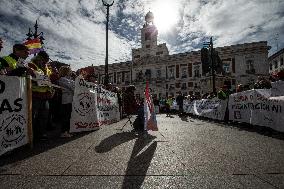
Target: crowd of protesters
<point>53,103</point>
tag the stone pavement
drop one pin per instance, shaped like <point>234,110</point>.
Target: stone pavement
<point>185,153</point>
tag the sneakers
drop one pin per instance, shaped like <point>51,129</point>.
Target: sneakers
<point>65,135</point>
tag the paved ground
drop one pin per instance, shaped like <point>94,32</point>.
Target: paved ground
<point>185,153</point>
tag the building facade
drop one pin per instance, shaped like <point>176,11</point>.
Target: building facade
<point>169,74</point>
<point>276,62</point>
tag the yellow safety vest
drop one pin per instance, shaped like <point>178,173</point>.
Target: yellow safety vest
<point>41,89</point>
<point>11,61</point>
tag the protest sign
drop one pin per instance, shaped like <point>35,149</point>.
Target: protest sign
<point>92,107</point>
<point>107,105</point>
<point>13,113</point>
<point>210,108</point>
<point>257,107</point>
<point>268,111</point>
<point>239,106</point>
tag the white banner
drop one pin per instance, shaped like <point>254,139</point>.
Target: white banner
<point>92,107</point>
<point>210,108</point>
<point>239,106</point>
<point>13,113</point>
<point>257,108</point>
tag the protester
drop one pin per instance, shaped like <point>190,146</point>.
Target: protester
<point>179,101</point>
<point>169,104</point>
<point>68,86</point>
<point>223,93</point>
<point>40,95</point>
<point>156,104</point>
<point>13,64</point>
<point>119,99</point>
<point>262,83</point>
<point>130,104</point>
<point>55,101</point>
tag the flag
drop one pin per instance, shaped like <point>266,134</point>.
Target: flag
<point>150,121</point>
<point>34,45</point>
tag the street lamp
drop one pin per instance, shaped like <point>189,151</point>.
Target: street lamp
<point>107,3</point>
<point>210,45</point>
<point>35,34</point>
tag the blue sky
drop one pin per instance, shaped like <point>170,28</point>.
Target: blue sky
<point>75,29</point>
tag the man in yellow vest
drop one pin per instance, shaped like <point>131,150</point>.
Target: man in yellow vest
<point>13,63</point>
<point>41,93</point>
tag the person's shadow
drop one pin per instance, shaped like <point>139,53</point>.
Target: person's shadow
<point>139,162</point>
<point>114,140</point>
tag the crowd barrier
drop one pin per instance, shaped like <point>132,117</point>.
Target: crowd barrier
<point>93,106</point>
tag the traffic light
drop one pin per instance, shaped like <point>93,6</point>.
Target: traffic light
<point>205,60</point>
<point>218,64</point>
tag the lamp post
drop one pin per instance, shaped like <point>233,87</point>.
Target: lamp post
<point>210,45</point>
<point>35,34</point>
<point>108,4</point>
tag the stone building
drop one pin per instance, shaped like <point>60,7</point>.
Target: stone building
<point>169,74</point>
<point>276,63</point>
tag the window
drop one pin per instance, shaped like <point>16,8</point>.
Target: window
<point>159,73</point>
<point>190,84</point>
<point>137,56</point>
<point>281,61</point>
<point>126,76</point>
<point>119,78</point>
<point>270,66</point>
<point>249,65</point>
<point>196,71</point>
<point>183,72</point>
<point>171,73</point>
<point>183,86</point>
<point>147,46</point>
<point>226,68</point>
<point>275,64</point>
<point>177,71</point>
<point>148,73</point>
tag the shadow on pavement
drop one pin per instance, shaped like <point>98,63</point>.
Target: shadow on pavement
<point>114,140</point>
<point>139,162</point>
<point>24,152</point>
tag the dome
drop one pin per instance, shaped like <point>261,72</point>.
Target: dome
<point>149,17</point>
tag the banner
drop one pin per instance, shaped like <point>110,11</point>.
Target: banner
<point>13,113</point>
<point>277,88</point>
<point>210,108</point>
<point>239,106</point>
<point>92,107</point>
<point>257,108</point>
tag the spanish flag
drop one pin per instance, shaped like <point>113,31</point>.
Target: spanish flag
<point>34,45</point>
<point>150,121</point>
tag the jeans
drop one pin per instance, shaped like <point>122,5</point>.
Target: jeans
<point>40,116</point>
